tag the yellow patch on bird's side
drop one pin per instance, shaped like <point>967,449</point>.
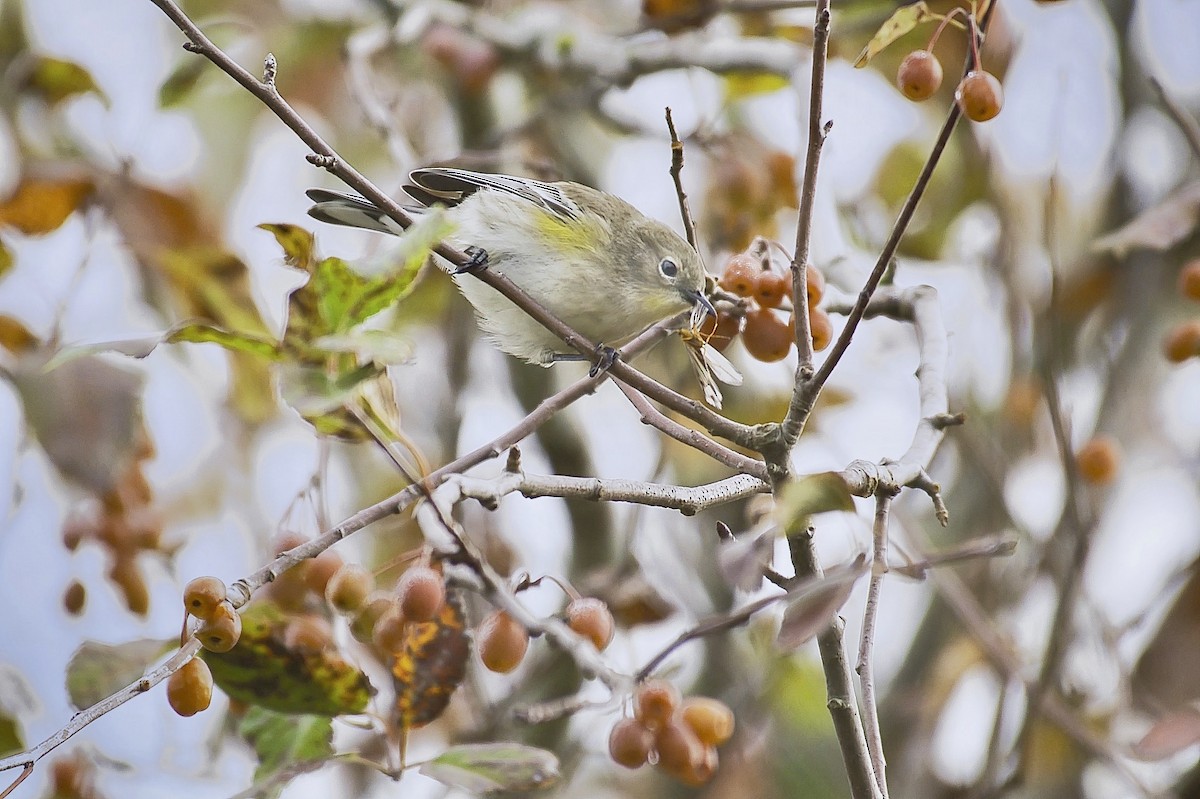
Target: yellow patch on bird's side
<point>569,234</point>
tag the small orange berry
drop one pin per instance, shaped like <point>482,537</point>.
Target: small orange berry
<point>980,96</point>
<point>919,76</point>
<point>1183,342</point>
<point>1099,460</point>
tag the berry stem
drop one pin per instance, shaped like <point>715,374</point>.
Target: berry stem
<point>976,63</point>
<point>945,21</point>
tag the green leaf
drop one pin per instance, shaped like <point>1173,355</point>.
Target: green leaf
<point>1158,228</point>
<point>337,297</point>
<point>16,700</point>
<point>899,23</point>
<point>202,332</point>
<point>380,346</point>
<point>495,767</point>
<point>193,332</point>
<point>181,82</point>
<point>283,741</point>
<point>97,670</point>
<point>815,493</point>
<point>56,79</point>
<point>11,739</point>
<point>262,671</point>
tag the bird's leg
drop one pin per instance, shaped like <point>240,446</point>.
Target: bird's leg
<point>478,262</point>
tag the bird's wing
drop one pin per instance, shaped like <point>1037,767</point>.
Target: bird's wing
<point>451,186</point>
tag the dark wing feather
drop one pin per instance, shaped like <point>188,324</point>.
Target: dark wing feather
<point>351,210</point>
<point>452,186</point>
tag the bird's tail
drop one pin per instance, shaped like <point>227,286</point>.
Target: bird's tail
<point>351,210</point>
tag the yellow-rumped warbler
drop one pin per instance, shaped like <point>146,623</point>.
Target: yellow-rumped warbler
<point>591,259</point>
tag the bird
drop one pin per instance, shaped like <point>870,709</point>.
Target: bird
<point>588,257</point>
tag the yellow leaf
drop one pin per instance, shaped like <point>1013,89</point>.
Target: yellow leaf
<point>901,22</point>
<point>14,336</point>
<point>297,244</point>
<point>41,205</point>
<point>747,84</point>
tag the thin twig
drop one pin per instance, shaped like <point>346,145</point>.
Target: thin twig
<point>685,212</point>
<point>693,438</point>
<point>101,708</point>
<point>798,590</point>
<point>1077,524</point>
<point>1186,122</point>
<point>864,667</point>
<point>805,398</point>
<point>793,422</point>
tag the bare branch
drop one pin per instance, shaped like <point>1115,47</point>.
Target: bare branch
<point>839,687</point>
<point>101,708</point>
<point>693,438</point>
<point>817,131</point>
<point>688,501</point>
<point>865,664</point>
<point>609,60</point>
<point>800,588</point>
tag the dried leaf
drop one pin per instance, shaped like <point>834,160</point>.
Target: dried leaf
<point>495,767</point>
<point>673,16</point>
<point>86,414</point>
<point>743,560</point>
<point>41,205</point>
<point>430,666</point>
<point>14,336</point>
<point>262,671</point>
<point>814,607</point>
<point>903,20</point>
<point>1170,735</point>
<point>1158,228</point>
<point>1166,675</point>
<point>98,670</point>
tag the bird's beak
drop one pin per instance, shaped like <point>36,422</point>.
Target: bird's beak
<point>699,301</point>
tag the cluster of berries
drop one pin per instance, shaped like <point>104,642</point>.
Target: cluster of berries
<point>766,335</point>
<point>189,690</point>
<point>979,95</point>
<point>1183,341</point>
<point>680,736</point>
<point>503,641</point>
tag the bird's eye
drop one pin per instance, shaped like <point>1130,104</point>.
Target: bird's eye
<point>668,267</point>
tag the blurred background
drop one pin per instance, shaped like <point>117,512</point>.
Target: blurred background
<point>136,176</point>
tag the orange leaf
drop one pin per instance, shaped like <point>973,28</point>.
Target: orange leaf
<point>41,205</point>
<point>430,666</point>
